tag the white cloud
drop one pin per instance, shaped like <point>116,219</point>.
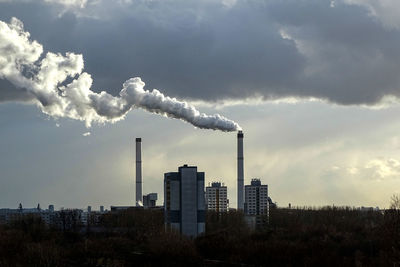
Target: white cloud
<point>69,3</point>
<point>65,3</point>
<point>383,168</point>
<point>335,168</point>
<point>229,3</point>
<point>60,88</point>
<point>353,170</point>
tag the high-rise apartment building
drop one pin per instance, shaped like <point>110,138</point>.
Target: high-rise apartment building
<point>184,203</point>
<point>256,198</point>
<point>216,197</point>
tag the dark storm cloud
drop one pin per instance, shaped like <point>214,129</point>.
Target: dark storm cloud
<point>207,50</point>
<point>216,56</point>
<point>353,57</point>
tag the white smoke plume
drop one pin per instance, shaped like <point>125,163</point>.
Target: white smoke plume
<point>59,87</point>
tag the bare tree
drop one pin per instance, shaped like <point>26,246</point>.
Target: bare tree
<point>395,201</point>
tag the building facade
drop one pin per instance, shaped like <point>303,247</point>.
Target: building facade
<point>184,203</point>
<point>150,200</point>
<point>9,215</point>
<point>65,219</point>
<point>217,197</point>
<point>256,198</point>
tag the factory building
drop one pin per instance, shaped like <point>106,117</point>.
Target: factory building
<point>149,200</point>
<point>256,198</point>
<point>216,197</point>
<point>184,203</point>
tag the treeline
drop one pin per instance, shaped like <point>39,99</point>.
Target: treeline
<point>329,236</point>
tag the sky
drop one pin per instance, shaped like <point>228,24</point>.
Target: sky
<point>314,85</point>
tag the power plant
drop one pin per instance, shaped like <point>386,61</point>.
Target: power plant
<point>138,171</point>
<point>185,201</point>
<point>240,172</point>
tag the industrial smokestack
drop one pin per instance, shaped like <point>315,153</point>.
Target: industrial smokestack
<point>138,171</point>
<point>240,171</point>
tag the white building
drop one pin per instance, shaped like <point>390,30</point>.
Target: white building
<point>256,198</point>
<point>9,215</point>
<point>216,197</point>
<point>184,203</point>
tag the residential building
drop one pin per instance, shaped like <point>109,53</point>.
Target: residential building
<point>256,198</point>
<point>216,197</point>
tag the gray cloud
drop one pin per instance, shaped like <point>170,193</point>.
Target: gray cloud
<point>300,145</point>
<point>60,88</point>
<point>386,11</point>
<point>211,51</point>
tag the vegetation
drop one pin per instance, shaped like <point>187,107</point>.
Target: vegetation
<point>395,202</point>
<point>329,236</point>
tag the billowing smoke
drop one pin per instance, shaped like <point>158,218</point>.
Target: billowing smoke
<point>59,87</point>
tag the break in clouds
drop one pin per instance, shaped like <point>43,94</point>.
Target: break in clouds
<point>59,87</point>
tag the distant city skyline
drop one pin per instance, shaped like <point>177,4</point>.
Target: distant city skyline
<point>45,185</point>
<point>313,84</point>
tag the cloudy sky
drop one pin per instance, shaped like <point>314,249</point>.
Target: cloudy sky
<point>314,85</point>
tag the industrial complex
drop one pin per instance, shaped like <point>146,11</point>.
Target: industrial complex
<point>186,199</point>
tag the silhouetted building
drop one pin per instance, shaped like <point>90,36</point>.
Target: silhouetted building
<point>9,215</point>
<point>216,197</point>
<point>272,205</point>
<point>65,219</point>
<point>150,200</point>
<point>184,203</point>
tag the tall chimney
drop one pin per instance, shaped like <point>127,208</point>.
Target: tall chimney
<point>240,171</point>
<point>138,171</point>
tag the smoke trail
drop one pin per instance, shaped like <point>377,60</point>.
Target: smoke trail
<point>60,88</point>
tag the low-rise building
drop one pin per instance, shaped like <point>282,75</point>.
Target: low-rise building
<point>150,200</point>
